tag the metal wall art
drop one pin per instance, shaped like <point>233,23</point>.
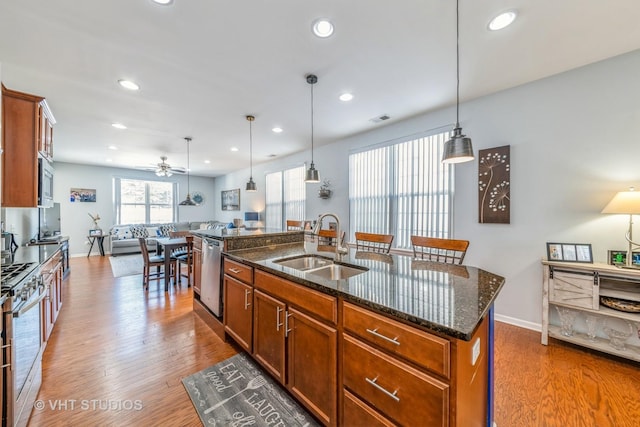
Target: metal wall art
<point>494,198</point>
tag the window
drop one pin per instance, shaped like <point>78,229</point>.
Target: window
<point>402,189</point>
<point>144,202</point>
<point>285,197</point>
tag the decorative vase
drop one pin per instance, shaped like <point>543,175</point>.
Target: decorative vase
<point>324,193</point>
<point>567,318</point>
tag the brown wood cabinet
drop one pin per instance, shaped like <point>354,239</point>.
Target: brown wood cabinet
<point>238,311</point>
<point>27,129</point>
<point>197,264</point>
<point>295,339</point>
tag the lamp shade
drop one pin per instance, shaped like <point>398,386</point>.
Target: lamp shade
<point>624,202</point>
<point>312,174</point>
<point>251,186</point>
<point>458,149</point>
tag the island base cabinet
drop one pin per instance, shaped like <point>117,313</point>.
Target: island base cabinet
<point>404,394</point>
<point>312,364</point>
<point>197,265</point>
<point>238,312</point>
<point>268,334</point>
<point>358,413</point>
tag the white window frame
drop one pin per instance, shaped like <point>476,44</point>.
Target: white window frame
<point>117,199</point>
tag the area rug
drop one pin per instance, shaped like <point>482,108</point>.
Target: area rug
<point>236,392</point>
<point>126,265</point>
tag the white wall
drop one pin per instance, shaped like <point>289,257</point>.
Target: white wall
<point>74,218</point>
<point>575,142</point>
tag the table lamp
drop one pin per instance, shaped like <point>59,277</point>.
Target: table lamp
<point>626,202</point>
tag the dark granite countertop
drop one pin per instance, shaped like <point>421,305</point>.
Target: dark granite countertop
<point>36,253</point>
<point>444,298</point>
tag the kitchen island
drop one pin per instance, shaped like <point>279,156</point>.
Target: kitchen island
<point>402,341</point>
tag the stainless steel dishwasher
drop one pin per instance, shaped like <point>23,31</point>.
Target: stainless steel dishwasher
<point>211,283</point>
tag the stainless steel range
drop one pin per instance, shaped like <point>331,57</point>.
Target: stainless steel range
<point>22,355</point>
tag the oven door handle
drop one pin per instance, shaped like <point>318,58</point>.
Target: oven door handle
<point>23,309</point>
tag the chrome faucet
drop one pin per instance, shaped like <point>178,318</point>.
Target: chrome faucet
<point>340,251</point>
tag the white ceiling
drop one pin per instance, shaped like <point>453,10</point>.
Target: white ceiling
<point>203,65</point>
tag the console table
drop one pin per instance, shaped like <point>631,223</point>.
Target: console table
<point>100,243</point>
<point>578,289</point>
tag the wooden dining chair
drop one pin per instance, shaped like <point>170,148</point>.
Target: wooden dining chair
<point>327,240</point>
<point>181,250</point>
<point>450,251</point>
<point>187,260</point>
<point>372,242</point>
<point>150,261</point>
<point>295,225</point>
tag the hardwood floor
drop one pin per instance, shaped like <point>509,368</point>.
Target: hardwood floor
<point>115,346</point>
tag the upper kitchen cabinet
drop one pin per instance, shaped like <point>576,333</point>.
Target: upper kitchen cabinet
<point>27,133</point>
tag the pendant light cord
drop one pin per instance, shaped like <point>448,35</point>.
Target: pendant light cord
<point>457,63</point>
<point>312,123</point>
<point>188,166</point>
<point>250,149</point>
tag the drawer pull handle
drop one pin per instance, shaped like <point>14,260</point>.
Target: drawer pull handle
<point>375,332</point>
<point>246,299</point>
<point>235,270</point>
<point>382,389</point>
<point>278,324</point>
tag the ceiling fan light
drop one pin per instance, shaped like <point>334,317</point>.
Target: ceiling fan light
<point>458,149</point>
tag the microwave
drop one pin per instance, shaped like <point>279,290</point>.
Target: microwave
<point>45,183</point>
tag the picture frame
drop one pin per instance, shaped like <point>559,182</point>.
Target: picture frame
<point>619,257</point>
<point>82,195</point>
<point>230,200</point>
<point>95,232</point>
<point>570,252</point>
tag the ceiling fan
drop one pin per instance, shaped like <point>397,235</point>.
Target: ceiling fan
<point>164,169</point>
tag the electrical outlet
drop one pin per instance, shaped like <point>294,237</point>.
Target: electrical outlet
<point>475,352</point>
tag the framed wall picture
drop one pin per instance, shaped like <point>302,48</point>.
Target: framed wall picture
<point>570,252</point>
<point>82,195</point>
<point>620,258</point>
<point>95,232</point>
<point>494,185</point>
<point>231,200</point>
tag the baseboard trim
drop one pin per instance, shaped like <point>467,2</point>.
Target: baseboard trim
<point>518,322</point>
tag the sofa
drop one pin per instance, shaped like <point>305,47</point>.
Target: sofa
<point>124,237</point>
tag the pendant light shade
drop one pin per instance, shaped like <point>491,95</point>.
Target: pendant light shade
<point>458,149</point>
<point>312,174</point>
<point>251,186</point>
<point>187,201</point>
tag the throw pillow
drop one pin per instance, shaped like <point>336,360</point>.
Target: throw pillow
<point>166,228</point>
<point>121,233</point>
<point>153,231</point>
<point>139,231</point>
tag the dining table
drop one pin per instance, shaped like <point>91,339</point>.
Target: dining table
<point>166,245</point>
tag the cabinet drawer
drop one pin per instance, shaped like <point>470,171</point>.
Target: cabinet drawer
<point>317,303</point>
<point>239,271</point>
<point>404,394</point>
<point>422,348</point>
<point>358,413</point>
<point>574,289</point>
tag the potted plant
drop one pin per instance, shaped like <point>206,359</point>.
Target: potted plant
<point>325,192</point>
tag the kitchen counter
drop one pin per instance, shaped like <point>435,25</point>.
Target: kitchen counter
<point>37,253</point>
<point>240,238</point>
<point>447,299</point>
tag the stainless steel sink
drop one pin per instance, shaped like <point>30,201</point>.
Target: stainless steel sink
<point>304,262</point>
<point>336,272</point>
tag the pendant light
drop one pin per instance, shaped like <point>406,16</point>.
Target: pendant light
<point>188,201</point>
<point>458,149</point>
<point>312,174</point>
<point>251,186</point>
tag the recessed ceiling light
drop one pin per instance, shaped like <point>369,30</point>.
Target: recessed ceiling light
<point>207,161</point>
<point>277,130</point>
<point>322,27</point>
<point>234,148</point>
<point>503,20</point>
<point>112,147</point>
<point>163,2</point>
<point>108,160</point>
<point>345,97</point>
<point>118,125</point>
<point>128,84</point>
